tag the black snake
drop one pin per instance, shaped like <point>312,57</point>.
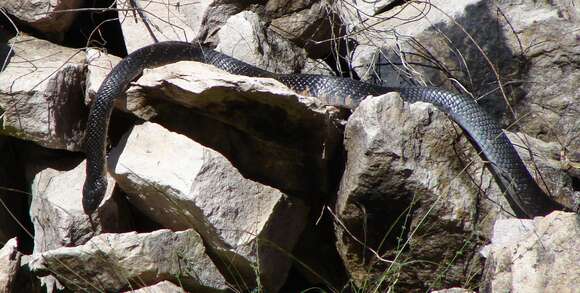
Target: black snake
<point>524,195</point>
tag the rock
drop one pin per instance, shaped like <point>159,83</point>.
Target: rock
<point>545,259</point>
<point>433,47</point>
<point>551,102</point>
<point>161,287</point>
<point>507,232</point>
<point>99,65</point>
<point>317,67</point>
<point>525,44</point>
<point>168,21</point>
<point>57,213</point>
<point>59,219</point>
<point>304,149</point>
<point>413,189</point>
<point>454,290</point>
<point>290,142</point>
<point>115,262</point>
<point>354,13</point>
<point>309,28</point>
<point>244,37</point>
<point>408,167</point>
<point>41,93</point>
<point>185,185</point>
<point>558,171</point>
<point>215,15</point>
<point>52,17</point>
<point>277,8</point>
<point>10,260</point>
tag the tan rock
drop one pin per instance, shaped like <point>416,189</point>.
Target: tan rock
<point>49,16</point>
<point>543,260</point>
<point>114,262</point>
<point>41,94</point>
<point>10,260</point>
<point>410,191</point>
<point>168,21</point>
<point>161,287</point>
<point>181,184</point>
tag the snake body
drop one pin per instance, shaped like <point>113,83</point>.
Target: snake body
<point>523,194</point>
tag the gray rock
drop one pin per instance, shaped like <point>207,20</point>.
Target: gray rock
<point>41,94</point>
<point>57,213</point>
<point>526,44</point>
<point>412,190</point>
<point>408,166</point>
<point>310,28</point>
<point>355,12</point>
<point>58,216</point>
<point>558,169</point>
<point>423,43</point>
<point>277,8</point>
<point>181,184</point>
<point>551,102</point>
<point>215,15</point>
<point>316,67</point>
<point>10,260</point>
<point>290,141</point>
<point>161,287</point>
<point>114,262</point>
<point>168,21</point>
<point>45,16</point>
<point>245,37</point>
<point>99,65</point>
<point>543,260</point>
<point>506,232</point>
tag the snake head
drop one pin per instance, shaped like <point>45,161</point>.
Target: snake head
<point>93,194</point>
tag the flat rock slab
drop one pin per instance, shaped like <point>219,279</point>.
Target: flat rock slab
<point>115,262</point>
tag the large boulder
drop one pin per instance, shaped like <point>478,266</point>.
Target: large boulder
<point>181,184</point>
<point>517,57</point>
<point>414,188</point>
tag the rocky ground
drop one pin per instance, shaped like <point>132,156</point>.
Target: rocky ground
<point>225,183</point>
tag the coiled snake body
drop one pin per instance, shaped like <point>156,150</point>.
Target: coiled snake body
<point>525,197</point>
